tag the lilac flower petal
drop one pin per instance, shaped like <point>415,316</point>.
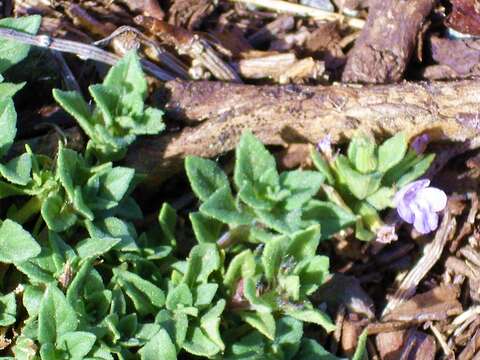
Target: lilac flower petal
<point>325,146</point>
<point>410,190</point>
<point>405,212</point>
<point>425,221</point>
<point>436,198</point>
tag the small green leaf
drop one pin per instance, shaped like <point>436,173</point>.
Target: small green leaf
<point>304,243</point>
<point>75,105</point>
<point>145,295</point>
<point>392,151</point>
<point>16,244</point>
<point>205,176</point>
<point>115,228</point>
<point>322,165</point>
<point>179,297</point>
<point>160,345</point>
<point>263,322</point>
<point>272,257</point>
<point>198,343</point>
<point>204,259</point>
<point>56,316</point>
<point>127,75</point>
<point>332,218</point>
<point>115,183</point>
<point>94,247</point>
<point>417,170</point>
<point>12,52</point>
<point>303,185</point>
<point>210,323</point>
<point>8,123</point>
<point>206,229</point>
<point>204,294</point>
<point>313,316</point>
<point>221,206</point>
<point>168,221</point>
<point>57,213</point>
<point>241,266</point>
<point>360,185</point>
<point>312,350</point>
<point>382,199</point>
<point>252,160</point>
<point>10,89</point>
<point>361,351</point>
<point>8,309</point>
<point>361,153</point>
<point>312,273</point>
<point>17,170</point>
<point>76,344</point>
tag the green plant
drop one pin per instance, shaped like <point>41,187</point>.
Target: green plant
<point>120,114</point>
<point>89,285</point>
<point>365,181</point>
<point>266,203</point>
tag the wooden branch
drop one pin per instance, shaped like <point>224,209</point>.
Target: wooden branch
<point>387,41</point>
<point>217,113</point>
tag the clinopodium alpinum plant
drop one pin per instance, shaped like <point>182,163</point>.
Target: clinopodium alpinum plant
<point>81,282</point>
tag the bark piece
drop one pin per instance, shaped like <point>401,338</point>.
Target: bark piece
<point>462,56</point>
<point>279,115</point>
<point>465,17</point>
<point>418,346</point>
<point>436,304</point>
<point>390,344</point>
<point>387,42</point>
<point>190,13</point>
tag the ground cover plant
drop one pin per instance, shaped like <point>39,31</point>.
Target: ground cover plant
<point>146,216</point>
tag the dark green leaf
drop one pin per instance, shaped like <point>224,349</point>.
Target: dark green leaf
<point>16,244</point>
<point>205,176</point>
<point>12,52</point>
<point>252,161</point>
<point>159,345</point>
<point>8,123</point>
<point>76,344</point>
<point>55,317</point>
<point>332,218</point>
<point>221,206</point>
<point>18,169</point>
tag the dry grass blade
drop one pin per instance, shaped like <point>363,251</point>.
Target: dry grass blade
<point>431,254</point>
<point>302,10</point>
<point>83,51</point>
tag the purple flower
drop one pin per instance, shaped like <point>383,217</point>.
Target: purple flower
<point>418,204</point>
<point>419,144</point>
<point>325,146</point>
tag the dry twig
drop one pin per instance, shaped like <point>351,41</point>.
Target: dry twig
<point>83,51</point>
<point>431,254</point>
<point>302,10</point>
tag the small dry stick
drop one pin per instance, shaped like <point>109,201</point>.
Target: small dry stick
<point>302,10</point>
<point>443,344</point>
<point>190,44</point>
<point>83,51</point>
<point>127,34</point>
<point>431,253</point>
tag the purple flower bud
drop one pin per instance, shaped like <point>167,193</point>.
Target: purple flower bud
<point>418,204</point>
<point>325,146</point>
<point>419,144</point>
